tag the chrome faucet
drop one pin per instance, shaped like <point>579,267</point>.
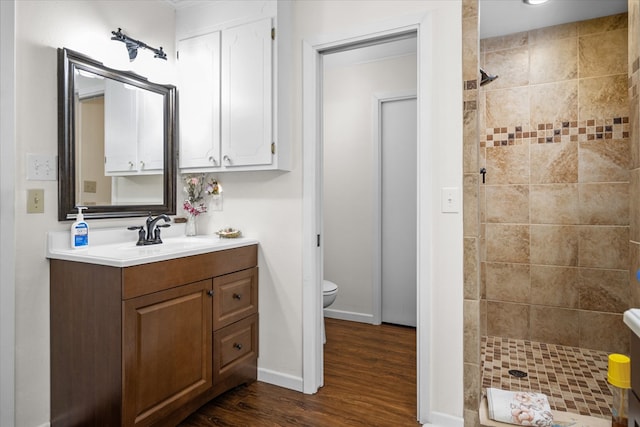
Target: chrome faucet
<point>152,235</point>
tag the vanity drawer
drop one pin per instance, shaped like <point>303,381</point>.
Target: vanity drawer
<point>235,296</point>
<point>236,350</point>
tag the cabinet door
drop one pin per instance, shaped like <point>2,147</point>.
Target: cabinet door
<point>150,132</point>
<point>247,94</point>
<point>121,128</point>
<point>167,353</point>
<point>199,71</point>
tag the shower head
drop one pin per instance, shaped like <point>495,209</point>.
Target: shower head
<point>486,78</point>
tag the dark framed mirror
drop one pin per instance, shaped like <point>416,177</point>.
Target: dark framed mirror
<point>116,141</point>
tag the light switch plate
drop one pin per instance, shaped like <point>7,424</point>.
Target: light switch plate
<point>35,201</point>
<point>41,167</point>
<point>450,199</point>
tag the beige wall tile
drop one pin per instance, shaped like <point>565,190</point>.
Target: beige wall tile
<point>564,106</point>
<point>604,290</point>
<point>634,122</point>
<point>507,203</point>
<point>604,247</point>
<point>507,165</point>
<point>471,268</point>
<point>554,163</point>
<point>634,206</point>
<point>482,203</point>
<point>472,383</point>
<point>554,204</point>
<point>599,25</point>
<point>603,331</point>
<point>470,142</point>
<point>508,320</point>
<point>507,107</point>
<point>604,203</point>
<point>555,325</point>
<point>553,33</point>
<point>507,243</point>
<point>554,245</point>
<point>471,219</point>
<point>603,54</point>
<point>471,418</point>
<point>604,160</point>
<point>554,61</point>
<point>483,317</point>
<point>555,286</point>
<point>634,31</point>
<point>470,48</point>
<point>508,282</point>
<point>504,42</point>
<point>603,97</point>
<point>510,65</point>
<point>471,331</point>
<point>469,8</point>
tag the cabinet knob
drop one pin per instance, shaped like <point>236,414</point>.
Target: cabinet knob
<point>237,296</point>
<point>227,159</point>
<point>213,160</point>
<point>141,164</point>
<point>210,292</point>
<point>130,165</point>
<point>237,346</point>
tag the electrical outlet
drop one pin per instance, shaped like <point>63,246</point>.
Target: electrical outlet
<point>450,199</point>
<point>41,167</point>
<point>35,201</point>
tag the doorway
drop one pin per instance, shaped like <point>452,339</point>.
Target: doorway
<point>369,178</point>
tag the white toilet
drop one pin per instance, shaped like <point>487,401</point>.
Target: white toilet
<point>329,293</point>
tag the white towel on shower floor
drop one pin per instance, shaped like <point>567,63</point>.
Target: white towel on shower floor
<point>524,408</point>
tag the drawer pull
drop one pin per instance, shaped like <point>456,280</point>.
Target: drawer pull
<point>210,292</point>
<point>237,296</point>
<point>237,346</point>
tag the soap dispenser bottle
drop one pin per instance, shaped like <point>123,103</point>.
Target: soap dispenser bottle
<point>80,231</point>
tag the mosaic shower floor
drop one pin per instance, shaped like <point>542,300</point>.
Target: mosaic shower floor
<point>574,379</point>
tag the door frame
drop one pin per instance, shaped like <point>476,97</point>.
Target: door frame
<point>312,347</point>
<point>378,100</point>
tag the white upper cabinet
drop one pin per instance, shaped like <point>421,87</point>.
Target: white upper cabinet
<point>227,68</point>
<point>133,138</point>
<point>246,106</point>
<point>199,97</point>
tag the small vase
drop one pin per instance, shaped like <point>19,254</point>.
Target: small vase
<point>190,229</point>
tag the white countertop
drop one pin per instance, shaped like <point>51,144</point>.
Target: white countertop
<point>116,247</point>
<point>631,318</point>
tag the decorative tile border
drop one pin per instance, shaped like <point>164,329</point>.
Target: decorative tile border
<point>559,132</point>
<point>574,379</point>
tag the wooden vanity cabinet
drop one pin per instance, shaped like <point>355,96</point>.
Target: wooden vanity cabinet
<point>149,344</point>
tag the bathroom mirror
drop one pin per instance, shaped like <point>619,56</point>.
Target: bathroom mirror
<point>116,141</point>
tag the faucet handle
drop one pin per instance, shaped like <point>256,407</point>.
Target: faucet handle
<point>141,234</point>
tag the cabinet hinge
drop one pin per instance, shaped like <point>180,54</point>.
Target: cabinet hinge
<point>273,33</point>
<point>273,148</point>
<point>318,240</point>
<point>177,54</point>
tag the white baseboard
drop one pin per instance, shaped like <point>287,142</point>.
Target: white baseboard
<point>281,380</point>
<point>349,315</point>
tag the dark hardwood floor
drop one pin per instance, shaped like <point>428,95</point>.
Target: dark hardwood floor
<point>370,380</point>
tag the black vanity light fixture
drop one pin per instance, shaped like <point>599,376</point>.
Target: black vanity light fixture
<point>133,45</point>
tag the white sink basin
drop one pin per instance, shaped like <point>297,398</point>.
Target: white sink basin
<point>631,318</point>
<point>106,247</point>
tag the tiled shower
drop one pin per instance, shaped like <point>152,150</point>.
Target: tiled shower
<point>551,235</point>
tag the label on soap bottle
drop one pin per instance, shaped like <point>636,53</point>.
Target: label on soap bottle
<point>81,235</point>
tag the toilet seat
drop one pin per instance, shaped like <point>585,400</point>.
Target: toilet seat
<point>329,288</point>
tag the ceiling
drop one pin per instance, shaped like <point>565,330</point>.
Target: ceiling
<point>500,17</point>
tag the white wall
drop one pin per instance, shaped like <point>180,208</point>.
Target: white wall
<point>350,177</point>
<point>42,27</point>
